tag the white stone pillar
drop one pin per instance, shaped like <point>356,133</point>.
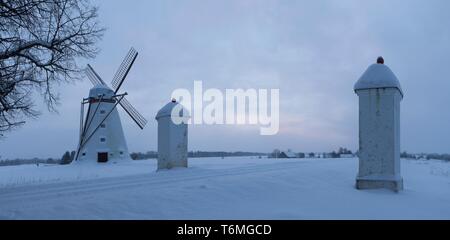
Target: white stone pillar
<point>379,93</point>
<point>172,136</point>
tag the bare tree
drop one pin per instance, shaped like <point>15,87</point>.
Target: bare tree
<point>40,43</point>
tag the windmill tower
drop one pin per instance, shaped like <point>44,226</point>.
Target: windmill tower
<point>101,134</point>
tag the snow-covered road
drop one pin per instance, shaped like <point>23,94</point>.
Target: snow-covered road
<point>214,188</point>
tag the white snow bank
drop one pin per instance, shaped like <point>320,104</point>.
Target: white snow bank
<point>12,176</point>
<point>215,188</point>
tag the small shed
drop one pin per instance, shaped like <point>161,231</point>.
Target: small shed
<point>172,136</point>
<point>380,94</point>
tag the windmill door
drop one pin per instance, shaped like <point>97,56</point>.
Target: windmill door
<point>102,157</point>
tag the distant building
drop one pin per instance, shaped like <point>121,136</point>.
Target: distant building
<point>287,154</point>
<point>420,156</point>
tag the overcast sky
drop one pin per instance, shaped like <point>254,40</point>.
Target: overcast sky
<point>313,51</point>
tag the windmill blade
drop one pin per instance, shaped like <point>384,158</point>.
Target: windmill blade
<point>81,120</point>
<point>93,76</point>
<point>81,131</point>
<point>124,69</point>
<point>134,114</point>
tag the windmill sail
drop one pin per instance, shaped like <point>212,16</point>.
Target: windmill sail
<point>133,113</point>
<point>81,120</point>
<point>93,76</point>
<point>124,69</point>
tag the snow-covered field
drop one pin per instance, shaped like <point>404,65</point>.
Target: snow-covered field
<point>215,188</point>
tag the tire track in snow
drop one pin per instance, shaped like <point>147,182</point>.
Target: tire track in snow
<point>100,185</point>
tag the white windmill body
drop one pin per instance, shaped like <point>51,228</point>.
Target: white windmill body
<point>101,134</point>
<point>107,143</point>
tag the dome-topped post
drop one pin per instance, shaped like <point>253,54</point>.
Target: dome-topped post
<point>380,94</point>
<point>172,136</point>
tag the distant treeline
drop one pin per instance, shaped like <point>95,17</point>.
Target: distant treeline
<point>65,159</point>
<point>341,152</point>
<point>37,161</point>
<point>69,156</point>
<point>142,156</point>
<point>427,156</point>
<point>197,154</point>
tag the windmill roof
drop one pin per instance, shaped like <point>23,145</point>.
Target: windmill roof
<point>100,89</point>
<point>378,76</point>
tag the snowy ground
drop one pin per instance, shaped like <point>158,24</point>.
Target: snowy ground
<point>214,188</point>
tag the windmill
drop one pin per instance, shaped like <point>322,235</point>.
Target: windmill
<point>101,133</point>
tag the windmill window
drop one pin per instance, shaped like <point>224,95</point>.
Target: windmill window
<point>103,125</point>
<point>102,111</point>
<point>84,154</point>
<point>102,139</point>
<point>121,153</point>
